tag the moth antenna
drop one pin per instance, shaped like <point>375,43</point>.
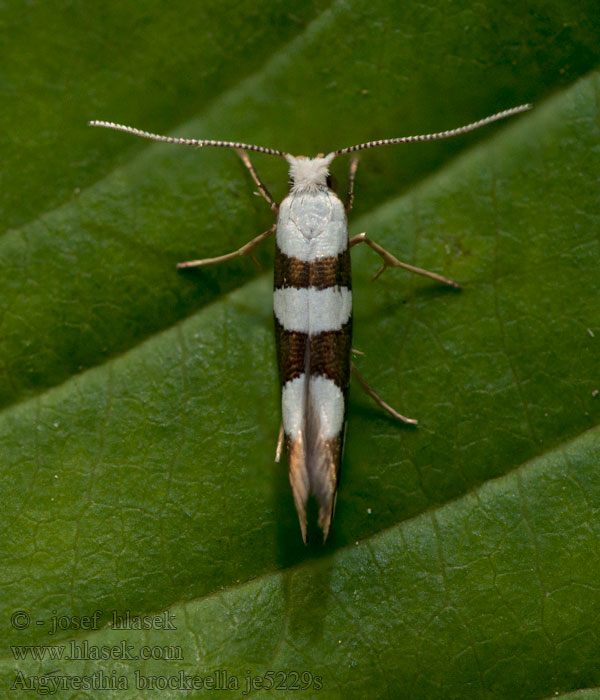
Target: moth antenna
<point>440,134</point>
<point>184,141</point>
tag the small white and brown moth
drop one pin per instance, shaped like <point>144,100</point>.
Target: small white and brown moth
<point>312,305</point>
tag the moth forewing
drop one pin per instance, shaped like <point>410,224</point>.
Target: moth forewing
<point>313,326</point>
<point>313,308</point>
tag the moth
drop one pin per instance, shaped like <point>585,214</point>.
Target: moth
<point>312,304</point>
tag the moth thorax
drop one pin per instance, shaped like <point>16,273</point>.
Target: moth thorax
<point>309,174</point>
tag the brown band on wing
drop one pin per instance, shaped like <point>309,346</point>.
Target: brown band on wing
<point>291,352</point>
<point>322,273</point>
<point>330,355</point>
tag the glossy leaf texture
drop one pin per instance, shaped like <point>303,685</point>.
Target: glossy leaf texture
<point>141,403</point>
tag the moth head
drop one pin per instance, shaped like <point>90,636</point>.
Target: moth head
<point>309,174</point>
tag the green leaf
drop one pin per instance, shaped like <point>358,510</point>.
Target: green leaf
<point>141,404</point>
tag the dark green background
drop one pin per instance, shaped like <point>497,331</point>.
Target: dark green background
<point>140,407</point>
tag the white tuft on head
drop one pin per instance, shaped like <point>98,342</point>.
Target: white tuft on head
<point>308,174</point>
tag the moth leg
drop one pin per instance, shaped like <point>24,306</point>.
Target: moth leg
<point>279,448</point>
<point>351,176</point>
<point>264,192</point>
<point>244,250</point>
<point>390,261</point>
<point>378,400</point>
